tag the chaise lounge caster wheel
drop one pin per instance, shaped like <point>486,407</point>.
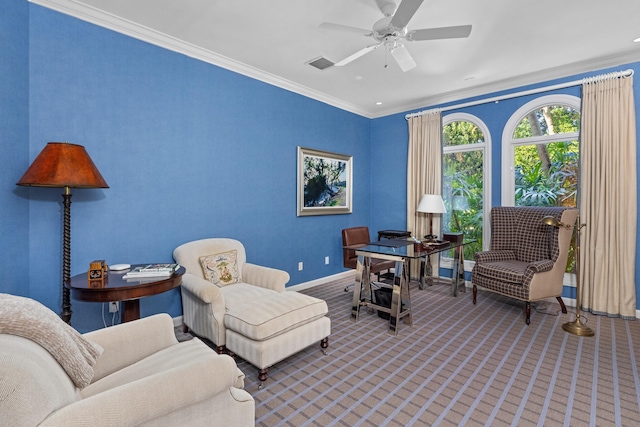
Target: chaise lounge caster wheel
<point>324,344</point>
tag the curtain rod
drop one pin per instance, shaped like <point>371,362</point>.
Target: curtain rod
<point>615,74</point>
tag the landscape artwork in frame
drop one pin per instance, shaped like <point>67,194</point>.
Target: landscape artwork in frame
<point>324,182</point>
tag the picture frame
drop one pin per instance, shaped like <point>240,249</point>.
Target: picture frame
<point>325,182</point>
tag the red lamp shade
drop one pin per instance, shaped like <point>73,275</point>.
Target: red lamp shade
<point>61,164</point>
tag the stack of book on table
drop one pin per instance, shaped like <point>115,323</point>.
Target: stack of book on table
<point>151,270</point>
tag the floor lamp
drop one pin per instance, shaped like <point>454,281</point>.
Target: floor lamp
<point>64,165</point>
<point>577,327</point>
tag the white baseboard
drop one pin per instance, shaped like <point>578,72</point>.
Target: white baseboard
<point>177,321</point>
<point>321,281</point>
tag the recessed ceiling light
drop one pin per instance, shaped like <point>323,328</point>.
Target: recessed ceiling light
<point>636,40</point>
<point>378,103</point>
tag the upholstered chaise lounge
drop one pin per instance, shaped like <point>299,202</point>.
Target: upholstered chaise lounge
<point>527,259</point>
<point>244,308</point>
<point>133,374</point>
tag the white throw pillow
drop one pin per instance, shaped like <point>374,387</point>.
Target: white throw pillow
<point>221,269</point>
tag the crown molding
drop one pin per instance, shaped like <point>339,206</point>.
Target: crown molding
<point>566,71</point>
<point>115,23</point>
<point>109,21</point>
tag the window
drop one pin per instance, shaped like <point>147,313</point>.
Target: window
<point>541,157</point>
<point>466,179</point>
<point>541,153</point>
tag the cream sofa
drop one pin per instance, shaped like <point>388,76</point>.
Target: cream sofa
<point>252,315</point>
<point>143,377</point>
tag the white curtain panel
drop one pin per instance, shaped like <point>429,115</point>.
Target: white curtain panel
<point>608,197</point>
<point>424,173</point>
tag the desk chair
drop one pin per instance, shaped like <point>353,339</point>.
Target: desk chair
<point>360,236</point>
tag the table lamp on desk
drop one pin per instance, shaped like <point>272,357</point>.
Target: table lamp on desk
<point>431,204</point>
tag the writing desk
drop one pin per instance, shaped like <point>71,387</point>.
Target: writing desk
<point>402,251</point>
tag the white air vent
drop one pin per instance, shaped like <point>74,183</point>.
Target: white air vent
<point>320,63</point>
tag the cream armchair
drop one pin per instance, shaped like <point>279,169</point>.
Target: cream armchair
<point>143,377</point>
<point>527,258</point>
<point>243,308</point>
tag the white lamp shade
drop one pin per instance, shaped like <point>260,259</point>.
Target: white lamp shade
<point>431,203</point>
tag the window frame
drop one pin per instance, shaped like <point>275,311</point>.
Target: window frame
<point>509,142</point>
<point>447,262</point>
<point>508,197</point>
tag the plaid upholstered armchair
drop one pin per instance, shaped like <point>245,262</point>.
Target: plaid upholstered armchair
<point>527,258</point>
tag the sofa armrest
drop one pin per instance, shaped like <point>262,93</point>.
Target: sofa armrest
<point>155,396</point>
<point>540,266</point>
<point>204,290</point>
<point>536,267</point>
<point>130,342</point>
<point>493,256</point>
<point>265,277</point>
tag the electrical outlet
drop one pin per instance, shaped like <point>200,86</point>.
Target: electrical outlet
<point>114,306</point>
<point>300,266</point>
<point>326,260</point>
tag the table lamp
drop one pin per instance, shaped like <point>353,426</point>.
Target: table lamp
<point>64,165</point>
<point>430,204</point>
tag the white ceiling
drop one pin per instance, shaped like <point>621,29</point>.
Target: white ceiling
<point>512,43</point>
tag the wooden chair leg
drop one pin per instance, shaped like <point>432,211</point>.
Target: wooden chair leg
<point>562,306</point>
<point>527,312</point>
<point>475,293</point>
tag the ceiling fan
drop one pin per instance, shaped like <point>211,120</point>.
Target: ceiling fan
<point>391,30</point>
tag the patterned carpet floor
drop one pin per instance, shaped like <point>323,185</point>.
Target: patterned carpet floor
<point>459,364</point>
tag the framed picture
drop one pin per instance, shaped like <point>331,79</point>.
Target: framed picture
<point>324,182</point>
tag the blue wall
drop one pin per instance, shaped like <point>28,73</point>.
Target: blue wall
<point>14,137</point>
<point>189,151</point>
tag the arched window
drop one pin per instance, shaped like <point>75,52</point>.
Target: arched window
<point>466,178</point>
<point>540,153</point>
<point>540,156</point>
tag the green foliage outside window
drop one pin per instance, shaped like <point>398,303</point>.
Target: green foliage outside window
<point>463,183</point>
<point>546,174</point>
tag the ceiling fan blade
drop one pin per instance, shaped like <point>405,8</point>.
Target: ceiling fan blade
<point>457,32</point>
<point>357,55</point>
<point>339,27</point>
<point>404,13</point>
<point>403,58</point>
